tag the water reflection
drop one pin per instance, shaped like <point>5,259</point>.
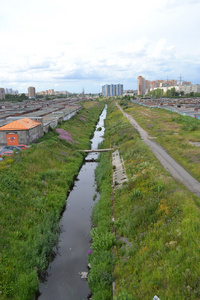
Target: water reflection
<point>64,281</point>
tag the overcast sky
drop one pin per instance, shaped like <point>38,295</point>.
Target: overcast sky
<point>75,44</point>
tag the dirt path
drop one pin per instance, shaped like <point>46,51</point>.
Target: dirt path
<point>172,167</point>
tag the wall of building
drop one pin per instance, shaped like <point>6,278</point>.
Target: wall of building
<point>183,88</point>
<point>141,85</point>
<point>109,90</point>
<point>35,133</point>
<point>31,92</point>
<point>145,86</point>
<point>24,136</point>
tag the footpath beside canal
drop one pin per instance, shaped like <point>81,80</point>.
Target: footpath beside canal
<point>175,169</point>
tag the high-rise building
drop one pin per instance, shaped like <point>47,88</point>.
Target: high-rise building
<point>141,86</point>
<point>2,93</point>
<point>31,92</point>
<point>119,89</point>
<point>112,90</point>
<point>185,83</point>
<point>106,90</point>
<point>145,86</point>
<point>11,91</point>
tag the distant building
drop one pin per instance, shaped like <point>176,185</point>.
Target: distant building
<point>185,83</point>
<point>119,89</point>
<point>130,93</point>
<point>145,86</point>
<point>195,88</point>
<point>106,90</point>
<point>8,91</point>
<point>51,92</point>
<point>64,93</point>
<point>110,90</point>
<point>168,83</point>
<point>141,85</point>
<point>31,92</point>
<point>11,91</point>
<point>2,93</point>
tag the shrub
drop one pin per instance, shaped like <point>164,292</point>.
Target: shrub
<point>64,135</point>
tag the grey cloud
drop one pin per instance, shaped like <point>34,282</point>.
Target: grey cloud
<point>40,65</point>
<point>79,74</point>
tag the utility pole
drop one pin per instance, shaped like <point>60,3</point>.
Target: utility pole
<point>180,79</point>
<point>167,83</point>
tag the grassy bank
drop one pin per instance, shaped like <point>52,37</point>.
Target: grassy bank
<point>33,191</point>
<point>174,132</point>
<point>101,259</point>
<point>157,223</point>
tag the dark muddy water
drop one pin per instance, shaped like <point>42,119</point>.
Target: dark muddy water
<point>64,281</point>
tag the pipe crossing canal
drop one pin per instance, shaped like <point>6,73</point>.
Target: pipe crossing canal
<point>63,281</point>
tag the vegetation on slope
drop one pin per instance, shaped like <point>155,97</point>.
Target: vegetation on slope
<point>101,259</point>
<point>33,190</point>
<point>174,132</point>
<point>157,223</point>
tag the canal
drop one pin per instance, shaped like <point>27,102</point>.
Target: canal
<point>64,280</point>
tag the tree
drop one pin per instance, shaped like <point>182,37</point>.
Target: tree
<point>23,97</point>
<point>157,93</point>
<point>16,98</point>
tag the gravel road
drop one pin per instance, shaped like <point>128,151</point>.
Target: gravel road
<point>171,166</point>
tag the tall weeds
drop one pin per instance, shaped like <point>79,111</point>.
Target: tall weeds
<point>157,223</point>
<point>33,191</point>
<point>101,259</point>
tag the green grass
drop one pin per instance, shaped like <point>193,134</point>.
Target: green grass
<point>174,132</point>
<point>33,190</point>
<point>157,223</point>
<point>152,247</point>
<point>101,259</point>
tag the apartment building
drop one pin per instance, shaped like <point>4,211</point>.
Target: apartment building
<point>48,92</point>
<point>11,91</point>
<point>31,92</point>
<point>2,93</point>
<point>168,83</point>
<point>119,89</point>
<point>185,83</point>
<point>145,86</point>
<point>141,85</point>
<point>109,90</point>
<point>106,90</point>
<point>195,88</point>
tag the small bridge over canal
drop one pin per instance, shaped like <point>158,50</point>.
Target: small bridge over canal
<point>97,150</point>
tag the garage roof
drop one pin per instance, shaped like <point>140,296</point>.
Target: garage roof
<point>22,124</point>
